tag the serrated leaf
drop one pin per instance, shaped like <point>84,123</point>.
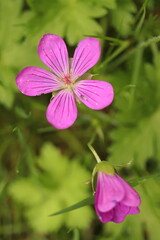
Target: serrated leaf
<point>59,20</point>
<point>56,185</point>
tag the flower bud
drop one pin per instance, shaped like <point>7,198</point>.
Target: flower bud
<point>114,198</point>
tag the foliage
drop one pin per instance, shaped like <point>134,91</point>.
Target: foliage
<point>14,51</point>
<point>58,183</point>
<point>65,17</point>
<point>138,114</point>
<point>122,17</point>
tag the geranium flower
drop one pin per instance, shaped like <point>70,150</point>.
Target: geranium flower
<point>62,110</point>
<point>114,198</point>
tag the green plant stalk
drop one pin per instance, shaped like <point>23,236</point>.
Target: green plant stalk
<point>118,51</point>
<point>94,153</point>
<point>135,74</point>
<point>141,45</point>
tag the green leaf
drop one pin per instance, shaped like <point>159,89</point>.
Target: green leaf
<point>137,134</point>
<point>8,37</point>
<point>58,18</point>
<point>122,16</point>
<point>40,6</point>
<point>26,191</point>
<point>14,53</point>
<point>54,185</point>
<point>142,136</point>
<point>111,4</point>
<point>75,206</point>
<point>7,86</point>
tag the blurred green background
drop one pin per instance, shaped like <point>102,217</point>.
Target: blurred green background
<point>42,169</point>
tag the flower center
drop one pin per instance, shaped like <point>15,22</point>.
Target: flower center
<point>67,79</point>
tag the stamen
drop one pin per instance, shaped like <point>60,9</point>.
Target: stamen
<point>67,79</point>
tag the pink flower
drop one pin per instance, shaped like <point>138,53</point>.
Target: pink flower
<point>115,198</point>
<point>62,110</point>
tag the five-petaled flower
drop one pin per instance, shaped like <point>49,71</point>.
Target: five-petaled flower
<point>114,198</point>
<point>62,110</point>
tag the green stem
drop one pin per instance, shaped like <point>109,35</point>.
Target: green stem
<point>110,39</point>
<point>76,234</point>
<point>149,41</point>
<point>141,45</point>
<point>136,72</point>
<point>113,55</point>
<point>94,153</point>
<point>141,10</point>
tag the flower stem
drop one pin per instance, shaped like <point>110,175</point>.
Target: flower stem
<point>94,153</point>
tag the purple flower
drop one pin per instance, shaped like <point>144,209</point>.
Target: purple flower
<point>114,198</point>
<point>62,110</point>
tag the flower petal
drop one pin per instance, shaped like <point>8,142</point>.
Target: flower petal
<point>120,212</point>
<point>131,197</point>
<point>34,81</point>
<point>94,94</point>
<point>105,217</point>
<point>53,52</point>
<point>62,110</point>
<point>134,210</point>
<point>85,56</point>
<point>109,191</point>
